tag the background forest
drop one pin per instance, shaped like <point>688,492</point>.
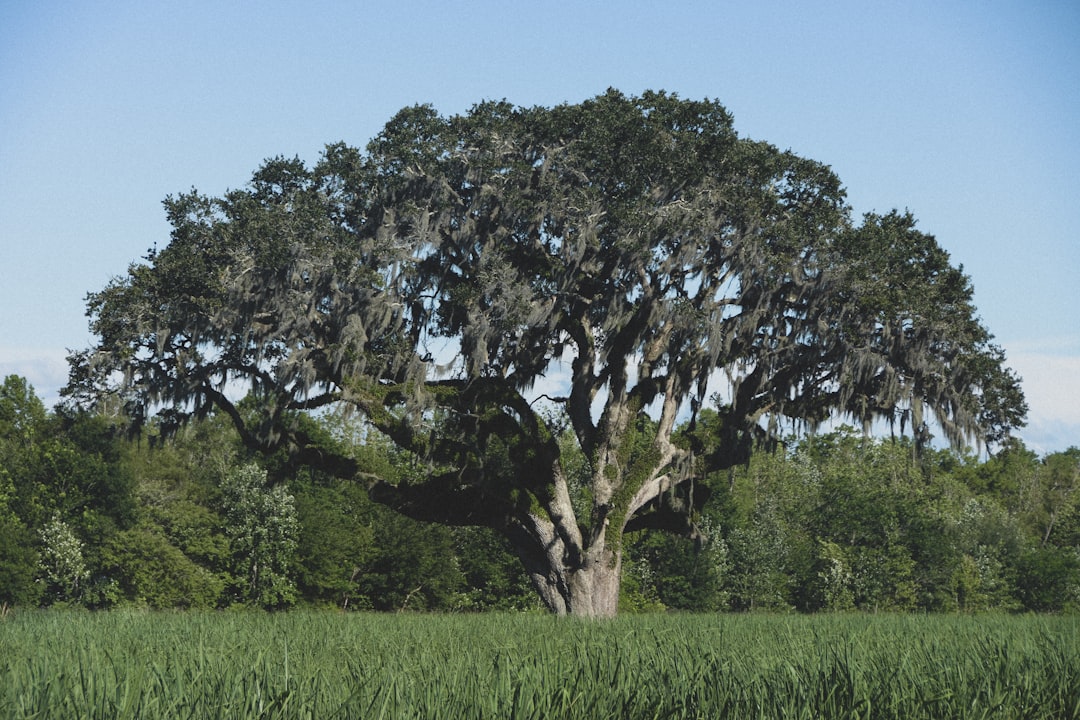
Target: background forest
<point>836,521</point>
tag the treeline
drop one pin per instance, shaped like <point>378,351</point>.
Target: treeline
<point>91,519</point>
<point>840,521</point>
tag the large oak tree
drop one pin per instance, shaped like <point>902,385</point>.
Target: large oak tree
<point>633,252</point>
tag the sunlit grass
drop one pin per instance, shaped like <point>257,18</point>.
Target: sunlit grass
<point>326,665</point>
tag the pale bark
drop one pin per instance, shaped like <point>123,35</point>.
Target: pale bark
<point>588,587</point>
<point>594,588</point>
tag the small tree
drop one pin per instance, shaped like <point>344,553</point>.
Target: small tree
<point>634,252</point>
<point>63,569</point>
<point>18,561</point>
<point>262,528</point>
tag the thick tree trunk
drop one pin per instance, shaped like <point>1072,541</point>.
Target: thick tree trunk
<point>594,587</point>
<point>589,590</point>
<point>586,592</point>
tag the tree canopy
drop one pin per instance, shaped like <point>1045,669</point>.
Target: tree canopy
<point>480,286</point>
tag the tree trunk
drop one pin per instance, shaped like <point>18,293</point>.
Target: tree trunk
<point>590,590</point>
<point>594,587</point>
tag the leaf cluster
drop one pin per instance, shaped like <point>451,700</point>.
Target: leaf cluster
<point>634,251</point>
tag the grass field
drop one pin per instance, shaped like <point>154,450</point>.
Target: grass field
<point>326,665</point>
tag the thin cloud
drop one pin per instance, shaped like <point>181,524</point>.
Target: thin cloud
<point>1051,383</point>
<point>45,369</point>
<point>1050,372</point>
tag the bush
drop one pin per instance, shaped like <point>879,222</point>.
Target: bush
<point>1049,579</point>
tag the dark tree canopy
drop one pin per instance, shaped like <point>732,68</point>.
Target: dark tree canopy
<point>635,249</point>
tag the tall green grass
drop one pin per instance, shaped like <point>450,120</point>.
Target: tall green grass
<point>312,665</point>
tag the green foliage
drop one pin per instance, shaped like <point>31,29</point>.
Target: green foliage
<point>681,573</point>
<point>1003,474</point>
<point>908,297</point>
<point>18,563</point>
<point>759,578</point>
<point>150,571</point>
<point>22,414</point>
<point>178,493</point>
<point>64,491</point>
<point>835,578</point>
<point>63,569</point>
<point>262,526</point>
<point>1049,579</point>
<point>429,283</point>
<point>492,576</point>
<point>831,522</point>
<point>1050,498</point>
<point>332,665</point>
<point>336,539</point>
<point>412,566</point>
<point>637,591</point>
<point>841,521</point>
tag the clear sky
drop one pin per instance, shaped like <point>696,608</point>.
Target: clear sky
<point>966,113</point>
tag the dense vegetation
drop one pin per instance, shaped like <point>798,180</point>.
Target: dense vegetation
<point>322,665</point>
<point>631,256</point>
<point>833,522</point>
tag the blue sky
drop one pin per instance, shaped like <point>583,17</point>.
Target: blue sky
<point>966,113</point>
